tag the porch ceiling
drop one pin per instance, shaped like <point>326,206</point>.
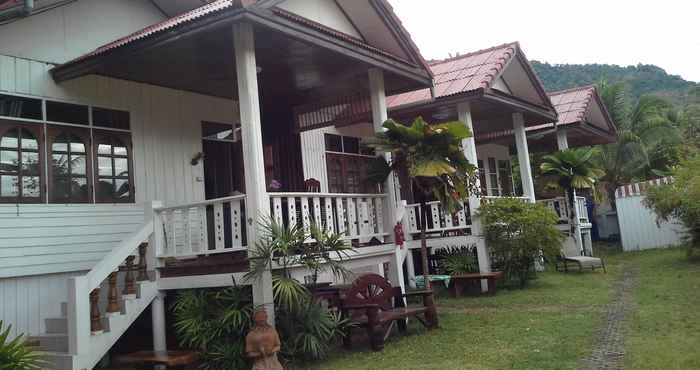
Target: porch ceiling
<point>491,113</point>
<point>544,139</point>
<point>298,66</point>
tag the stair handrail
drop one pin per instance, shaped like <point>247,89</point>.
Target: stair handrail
<point>80,287</point>
<point>117,255</point>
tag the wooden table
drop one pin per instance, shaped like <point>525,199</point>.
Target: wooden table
<point>460,281</point>
<point>169,359</point>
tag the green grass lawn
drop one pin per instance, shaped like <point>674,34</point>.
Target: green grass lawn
<point>665,329</point>
<point>552,324</point>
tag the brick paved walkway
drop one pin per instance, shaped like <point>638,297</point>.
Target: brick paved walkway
<point>609,349</point>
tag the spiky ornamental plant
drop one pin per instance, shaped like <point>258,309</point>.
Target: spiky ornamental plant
<point>572,169</point>
<point>432,157</point>
<point>15,354</point>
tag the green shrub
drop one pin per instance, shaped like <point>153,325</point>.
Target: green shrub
<point>458,260</point>
<point>680,199</point>
<point>15,354</point>
<point>517,232</point>
<point>215,322</point>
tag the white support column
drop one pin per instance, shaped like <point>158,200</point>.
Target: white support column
<point>257,200</point>
<point>410,269</point>
<point>469,147</point>
<point>562,139</point>
<point>158,323</point>
<point>78,316</point>
<point>523,156</point>
<point>156,241</point>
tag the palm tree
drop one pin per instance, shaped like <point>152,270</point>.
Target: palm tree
<point>432,157</point>
<point>573,169</point>
<point>646,131</point>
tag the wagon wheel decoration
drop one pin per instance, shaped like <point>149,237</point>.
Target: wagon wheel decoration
<point>370,288</point>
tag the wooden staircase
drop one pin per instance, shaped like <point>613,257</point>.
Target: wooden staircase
<point>101,306</point>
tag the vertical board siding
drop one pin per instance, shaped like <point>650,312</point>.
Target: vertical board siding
<point>166,134</point>
<point>639,229</point>
<point>25,302</point>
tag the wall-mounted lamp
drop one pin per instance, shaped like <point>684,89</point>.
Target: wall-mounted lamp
<point>197,157</point>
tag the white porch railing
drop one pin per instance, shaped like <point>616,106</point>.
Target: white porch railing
<point>436,218</point>
<point>202,228</point>
<point>560,207</point>
<point>358,216</point>
<point>582,210</point>
<point>489,198</point>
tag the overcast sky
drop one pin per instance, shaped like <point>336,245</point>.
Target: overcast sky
<point>625,32</point>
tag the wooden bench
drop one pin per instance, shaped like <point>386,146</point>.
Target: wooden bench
<point>459,282</point>
<point>169,359</point>
<point>372,303</point>
<point>580,262</point>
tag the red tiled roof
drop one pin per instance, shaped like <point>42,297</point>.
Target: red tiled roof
<point>221,5</point>
<point>461,74</point>
<point>213,7</point>
<point>572,104</point>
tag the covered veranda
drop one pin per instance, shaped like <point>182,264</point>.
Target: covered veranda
<point>266,61</point>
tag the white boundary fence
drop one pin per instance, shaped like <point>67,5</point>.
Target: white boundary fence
<point>638,224</point>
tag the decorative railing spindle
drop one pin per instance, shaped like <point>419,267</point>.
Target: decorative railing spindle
<point>113,297</point>
<point>143,265</point>
<point>129,282</point>
<point>95,316</point>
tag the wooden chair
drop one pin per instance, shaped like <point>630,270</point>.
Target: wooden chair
<point>372,303</point>
<point>312,185</point>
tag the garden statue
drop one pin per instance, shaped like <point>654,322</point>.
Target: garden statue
<point>263,343</point>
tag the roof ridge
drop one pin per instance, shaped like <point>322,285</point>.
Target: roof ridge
<point>571,89</point>
<point>496,70</point>
<point>472,53</point>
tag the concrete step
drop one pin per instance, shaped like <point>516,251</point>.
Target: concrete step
<point>58,325</point>
<point>52,342</point>
<point>58,361</point>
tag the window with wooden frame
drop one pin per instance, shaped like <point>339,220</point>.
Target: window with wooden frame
<point>347,165</point>
<point>492,172</point>
<point>113,168</point>
<point>21,162</point>
<point>70,179</point>
<point>482,178</point>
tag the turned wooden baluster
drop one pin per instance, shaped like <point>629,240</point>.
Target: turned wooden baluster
<point>129,286</point>
<point>143,267</point>
<point>95,317</point>
<point>113,302</point>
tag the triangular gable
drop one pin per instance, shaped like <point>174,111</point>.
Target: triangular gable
<point>325,12</point>
<point>597,115</point>
<point>520,80</point>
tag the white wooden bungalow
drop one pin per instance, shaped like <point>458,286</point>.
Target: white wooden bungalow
<point>151,135</point>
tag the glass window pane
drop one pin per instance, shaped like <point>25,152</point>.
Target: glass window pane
<point>60,164</point>
<point>20,107</point>
<point>30,163</point>
<point>60,188</point>
<point>110,118</point>
<point>78,165</point>
<point>9,161</point>
<point>9,186</point>
<point>31,187</point>
<point>68,113</point>
<point>120,150</point>
<point>351,144</point>
<point>60,145</point>
<point>104,165</point>
<point>79,189</point>
<point>9,140</point>
<point>334,143</point>
<point>29,141</point>
<point>122,188</point>
<point>121,167</point>
<point>105,189</point>
<point>104,149</point>
<point>76,146</point>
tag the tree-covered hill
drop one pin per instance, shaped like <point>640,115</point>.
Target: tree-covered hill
<point>640,79</point>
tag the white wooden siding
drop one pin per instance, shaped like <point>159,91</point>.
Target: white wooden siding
<point>639,229</point>
<point>166,134</point>
<point>69,31</point>
<point>325,12</point>
<point>25,302</point>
